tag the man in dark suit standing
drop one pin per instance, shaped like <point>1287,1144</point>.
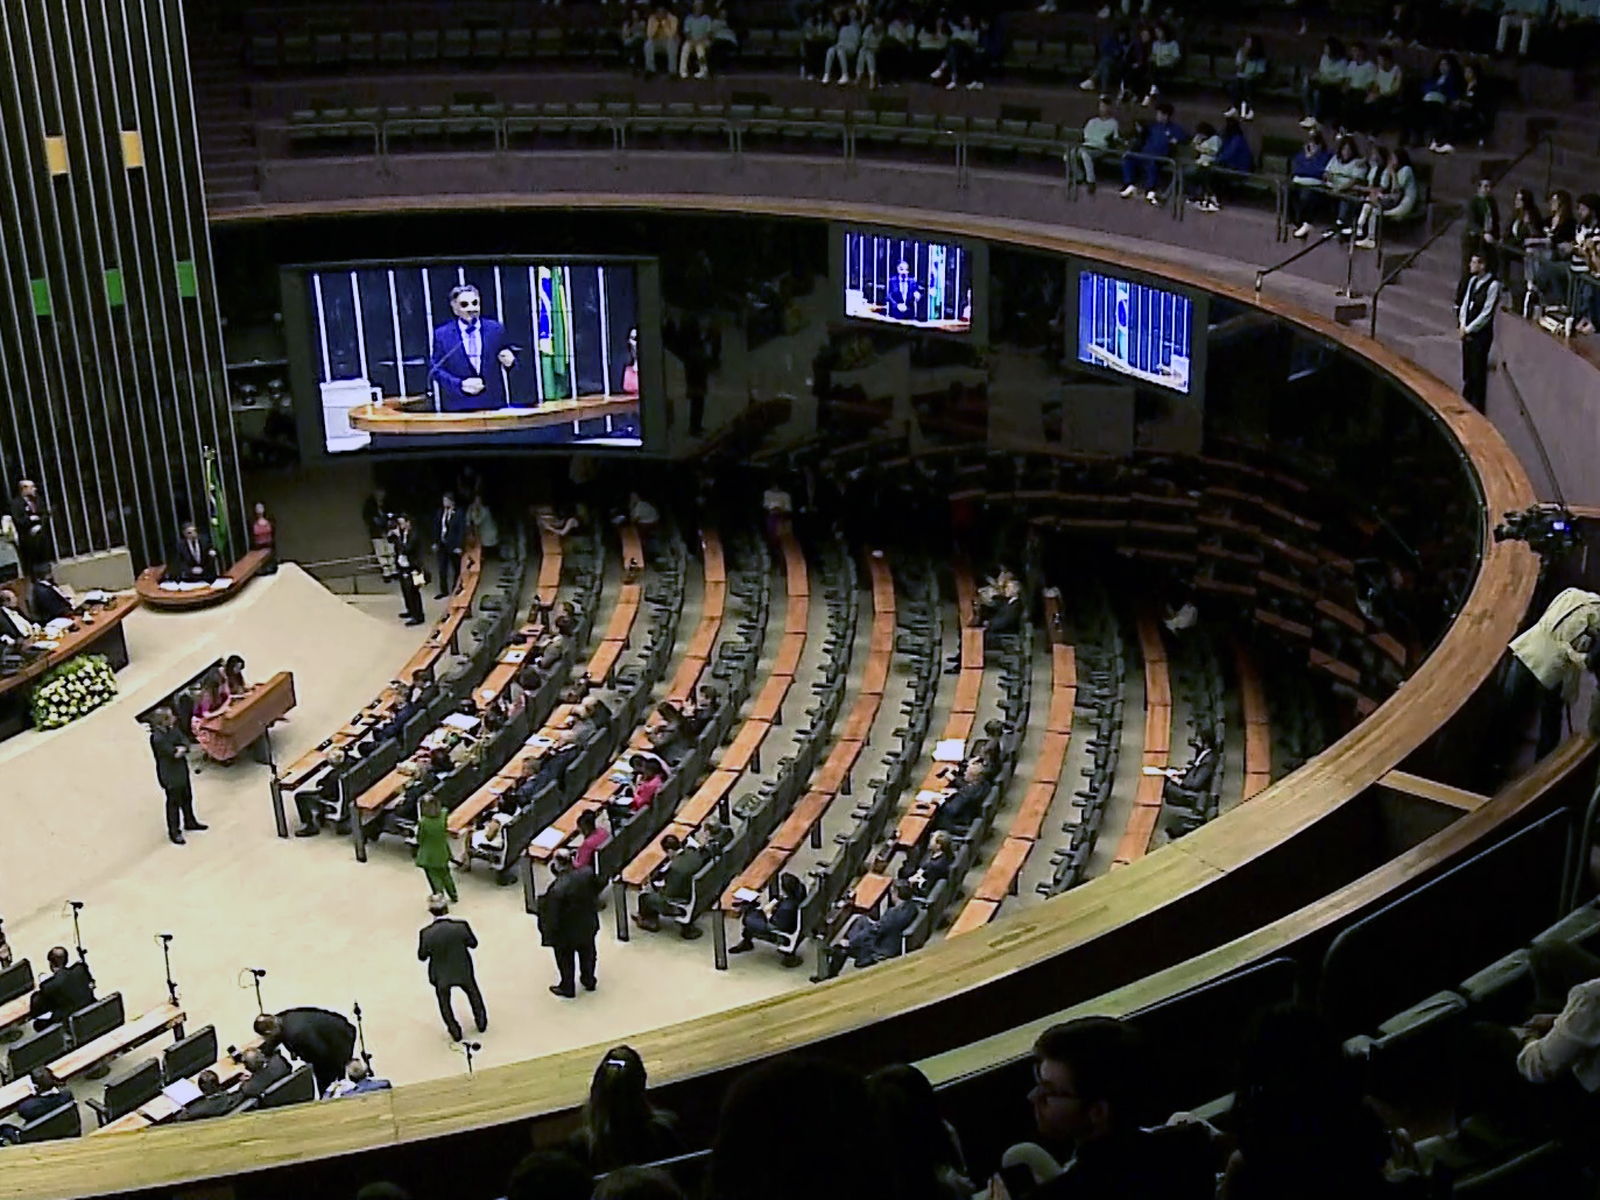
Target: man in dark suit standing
<point>66,990</point>
<point>1476,301</point>
<point>408,566</point>
<point>450,535</point>
<point>316,1036</point>
<point>46,600</point>
<point>194,560</point>
<point>446,945</point>
<point>569,921</point>
<point>172,772</point>
<point>32,520</point>
<point>905,294</point>
<point>468,352</point>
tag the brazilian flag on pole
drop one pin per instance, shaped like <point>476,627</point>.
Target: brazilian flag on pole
<point>217,505</point>
<point>554,365</point>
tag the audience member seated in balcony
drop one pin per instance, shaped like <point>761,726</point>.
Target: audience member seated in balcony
<point>1088,1099</point>
<point>1161,140</point>
<point>660,36</point>
<point>1215,179</point>
<point>1165,57</point>
<point>1301,1125</point>
<point>66,990</point>
<point>1111,63</point>
<point>1344,175</point>
<point>1569,229</point>
<point>964,57</point>
<point>48,1095</point>
<point>872,40</point>
<point>1249,73</point>
<point>590,838</point>
<point>1207,145</point>
<point>621,1127</point>
<point>630,37</point>
<point>899,48</point>
<point>1323,89</point>
<point>818,33</point>
<point>1102,135</point>
<point>868,941</point>
<point>316,805</point>
<point>797,1101</point>
<point>671,885</point>
<point>1434,117</point>
<point>696,42</point>
<point>933,41</point>
<point>777,917</point>
<point>724,50</point>
<point>936,863</point>
<point>1395,198</point>
<point>1305,179</point>
<point>927,1162</point>
<point>846,46</point>
<point>1471,115</point>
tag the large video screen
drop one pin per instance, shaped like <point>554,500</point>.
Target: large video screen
<point>435,355</point>
<point>901,279</point>
<point>1135,329</point>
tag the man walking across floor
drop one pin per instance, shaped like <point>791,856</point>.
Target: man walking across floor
<point>446,945</point>
<point>450,532</point>
<point>1479,297</point>
<point>569,921</point>
<point>172,771</point>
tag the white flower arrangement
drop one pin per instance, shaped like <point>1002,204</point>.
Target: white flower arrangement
<point>75,688</point>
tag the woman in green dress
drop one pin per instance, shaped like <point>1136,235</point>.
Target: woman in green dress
<point>433,850</point>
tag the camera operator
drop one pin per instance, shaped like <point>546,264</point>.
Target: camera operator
<point>1546,662</point>
<point>408,565</point>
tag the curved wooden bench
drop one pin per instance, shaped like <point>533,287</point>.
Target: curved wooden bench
<point>949,973</point>
<point>1135,843</point>
<point>148,585</point>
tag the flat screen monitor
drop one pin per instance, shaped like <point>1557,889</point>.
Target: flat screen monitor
<point>444,355</point>
<point>912,281</point>
<point>1136,329</point>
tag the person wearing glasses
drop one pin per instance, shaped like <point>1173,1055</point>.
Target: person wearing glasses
<point>1089,1096</point>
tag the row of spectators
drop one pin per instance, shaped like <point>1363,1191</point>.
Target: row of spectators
<point>898,46</point>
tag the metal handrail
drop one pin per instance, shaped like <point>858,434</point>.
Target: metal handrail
<point>1399,269</point>
<point>1331,235</point>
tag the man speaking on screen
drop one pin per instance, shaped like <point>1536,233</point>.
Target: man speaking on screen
<point>468,352</point>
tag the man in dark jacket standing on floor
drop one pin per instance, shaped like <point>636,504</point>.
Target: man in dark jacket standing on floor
<point>569,921</point>
<point>446,945</point>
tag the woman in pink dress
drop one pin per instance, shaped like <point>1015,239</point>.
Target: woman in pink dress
<point>630,373</point>
<point>213,698</point>
<point>264,536</point>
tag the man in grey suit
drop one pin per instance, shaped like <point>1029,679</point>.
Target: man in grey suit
<point>446,945</point>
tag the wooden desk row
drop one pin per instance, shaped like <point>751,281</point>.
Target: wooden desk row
<point>228,1070</point>
<point>465,815</point>
<point>833,776</point>
<point>433,648</point>
<point>89,628</point>
<point>245,718</point>
<point>1027,825</point>
<point>746,745</point>
<point>697,657</point>
<point>127,1036</point>
<point>1146,814</point>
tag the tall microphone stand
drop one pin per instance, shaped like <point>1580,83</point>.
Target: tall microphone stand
<point>258,975</point>
<point>77,930</point>
<point>361,1035</point>
<point>469,1048</point>
<point>166,961</point>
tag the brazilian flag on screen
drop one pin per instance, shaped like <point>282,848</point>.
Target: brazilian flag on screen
<point>555,366</point>
<point>217,502</point>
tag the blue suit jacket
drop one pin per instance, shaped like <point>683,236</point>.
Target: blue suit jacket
<point>905,298</point>
<point>450,366</point>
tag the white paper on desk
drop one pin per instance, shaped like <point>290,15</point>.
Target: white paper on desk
<point>514,656</point>
<point>745,895</point>
<point>550,839</point>
<point>57,627</point>
<point>461,721</point>
<point>170,585</point>
<point>97,596</point>
<point>541,742</point>
<point>950,750</point>
<point>927,797</point>
<point>221,583</point>
<point>181,1091</point>
<point>47,644</point>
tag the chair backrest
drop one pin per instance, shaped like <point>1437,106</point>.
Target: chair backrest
<point>101,1017</point>
<point>63,1122</point>
<point>16,980</point>
<point>193,1054</point>
<point>37,1049</point>
<point>129,1091</point>
<point>297,1087</point>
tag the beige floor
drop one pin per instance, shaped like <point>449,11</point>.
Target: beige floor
<point>84,817</point>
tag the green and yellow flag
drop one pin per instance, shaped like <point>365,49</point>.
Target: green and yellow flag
<point>554,365</point>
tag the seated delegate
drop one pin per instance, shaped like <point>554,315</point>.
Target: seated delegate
<point>779,917</point>
<point>66,990</point>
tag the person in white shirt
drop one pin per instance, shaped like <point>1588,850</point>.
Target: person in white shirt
<point>1165,55</point>
<point>696,42</point>
<point>867,60</point>
<point>846,46</point>
<point>1101,135</point>
<point>1480,296</point>
<point>1321,91</point>
<point>1550,657</point>
<point>1514,13</point>
<point>1395,196</point>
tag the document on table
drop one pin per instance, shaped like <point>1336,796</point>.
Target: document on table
<point>550,839</point>
<point>181,1091</point>
<point>221,583</point>
<point>950,750</point>
<point>461,721</point>
<point>514,656</point>
<point>927,797</point>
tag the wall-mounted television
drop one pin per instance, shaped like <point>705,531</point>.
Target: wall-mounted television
<point>452,354</point>
<point>915,281</point>
<point>1138,329</point>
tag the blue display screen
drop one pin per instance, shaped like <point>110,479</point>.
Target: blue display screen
<point>1135,329</point>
